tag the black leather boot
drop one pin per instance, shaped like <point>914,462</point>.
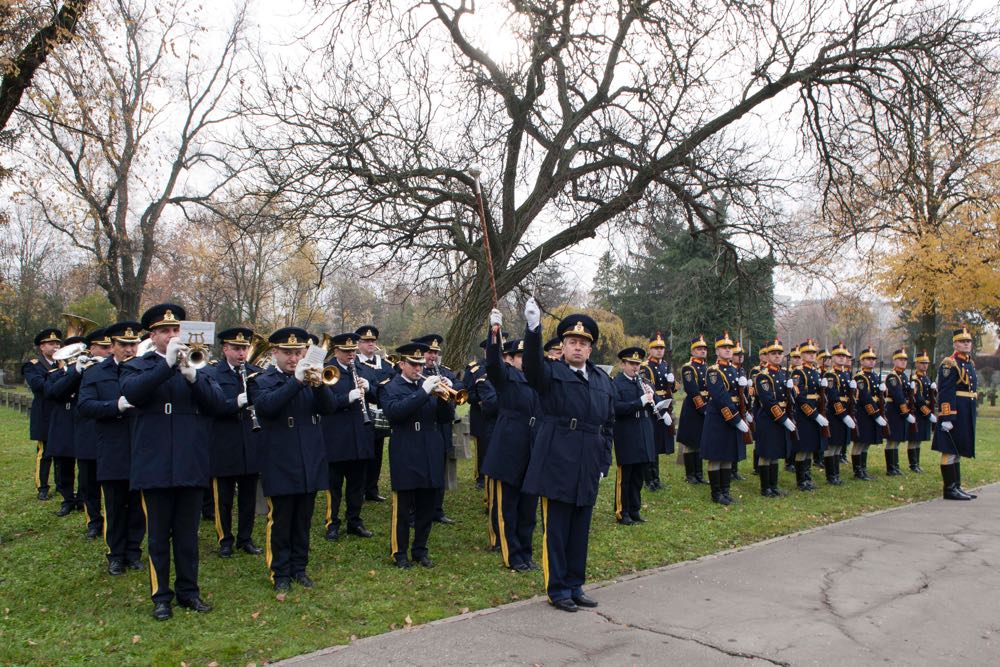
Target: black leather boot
<point>689,468</point>
<point>856,465</point>
<point>736,473</point>
<point>764,472</point>
<point>715,485</point>
<point>800,476</point>
<point>753,460</point>
<point>725,480</point>
<point>697,468</point>
<point>831,467</point>
<point>864,467</point>
<point>773,480</point>
<point>913,458</point>
<point>949,478</point>
<point>890,466</point>
<point>809,475</point>
<point>958,479</point>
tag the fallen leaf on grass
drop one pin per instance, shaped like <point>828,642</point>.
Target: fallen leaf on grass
<point>464,610</point>
<point>255,615</point>
<point>32,643</point>
<point>213,664</point>
<point>354,638</point>
<point>280,597</point>
<point>136,639</point>
<point>407,622</point>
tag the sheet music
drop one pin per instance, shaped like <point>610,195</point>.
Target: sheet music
<point>315,356</point>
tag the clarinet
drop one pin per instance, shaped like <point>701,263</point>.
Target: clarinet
<point>365,417</point>
<point>254,424</point>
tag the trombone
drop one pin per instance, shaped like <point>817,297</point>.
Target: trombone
<point>446,393</point>
<point>391,357</point>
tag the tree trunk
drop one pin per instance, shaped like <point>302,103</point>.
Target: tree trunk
<point>470,323</point>
<point>927,336</point>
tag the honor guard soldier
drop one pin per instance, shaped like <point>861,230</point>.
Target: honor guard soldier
<point>752,390</point>
<point>101,400</point>
<point>85,441</point>
<point>415,409</point>
<point>663,428</point>
<point>955,435</point>
<point>794,363</point>
<point>808,384</point>
<point>824,363</point>
<point>171,433</point>
<point>924,391</point>
<point>572,450</point>
<point>380,369</point>
<point>693,410</point>
<point>635,448</point>
<point>35,371</point>
<point>235,440</point>
<point>897,411</point>
<point>349,434</point>
<point>290,399</point>
<point>553,349</point>
<point>518,411</point>
<point>869,418</point>
<point>61,387</point>
<point>434,367</point>
<point>480,427</point>
<point>772,389</point>
<point>741,372</point>
<point>838,389</point>
<point>722,434</point>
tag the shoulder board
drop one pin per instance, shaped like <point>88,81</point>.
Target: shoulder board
<point>34,361</point>
<point>213,362</point>
<point>713,367</point>
<point>948,361</point>
<point>482,379</point>
<point>253,375</point>
<point>386,381</point>
<point>54,369</point>
<point>688,365</point>
<point>445,367</point>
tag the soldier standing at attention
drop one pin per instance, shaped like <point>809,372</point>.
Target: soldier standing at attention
<point>808,384</point>
<point>663,428</point>
<point>870,422</point>
<point>722,436</point>
<point>635,449</point>
<point>924,389</point>
<point>772,389</point>
<point>838,386</point>
<point>693,410</point>
<point>955,435</point>
<point>897,411</point>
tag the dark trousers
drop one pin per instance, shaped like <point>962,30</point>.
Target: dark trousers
<point>651,471</point>
<point>65,477</point>
<point>90,493</point>
<point>373,467</point>
<point>43,464</point>
<point>565,537</point>
<point>172,517</point>
<point>628,487</point>
<point>481,446</point>
<point>419,503</point>
<point>287,544</point>
<point>516,522</point>
<point>208,504</point>
<point>124,522</point>
<point>492,509</point>
<point>223,492</point>
<point>347,480</point>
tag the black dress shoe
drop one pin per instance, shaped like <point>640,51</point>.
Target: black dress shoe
<point>637,519</point>
<point>43,494</point>
<point>64,509</point>
<point>251,548</point>
<point>282,586</point>
<point>403,564</point>
<point>136,565</point>
<point>446,520</point>
<point>333,533</point>
<point>162,611</point>
<point>116,568</point>
<point>425,562</point>
<point>583,600</point>
<point>564,605</point>
<point>196,604</point>
<point>303,580</point>
<point>78,507</point>
<point>375,498</point>
<point>360,531</point>
<point>626,521</point>
<point>533,566</point>
<point>520,567</point>
<point>92,533</point>
<point>226,551</point>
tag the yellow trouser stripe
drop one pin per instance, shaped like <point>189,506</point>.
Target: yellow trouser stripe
<point>503,536</point>
<point>154,585</point>
<point>545,542</point>
<point>329,509</point>
<point>268,555</point>
<point>618,495</point>
<point>38,463</point>
<point>489,511</point>
<point>104,501</point>
<point>394,543</point>
<point>218,516</point>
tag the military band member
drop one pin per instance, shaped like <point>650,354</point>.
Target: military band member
<point>553,349</point>
<point>772,389</point>
<point>663,428</point>
<point>924,389</point>
<point>101,400</point>
<point>737,361</point>
<point>518,412</point>
<point>381,370</point>
<point>233,458</point>
<point>416,453</point>
<point>478,427</point>
<point>292,454</point>
<point>693,410</point>
<point>897,411</point>
<point>838,387</point>
<point>955,435</point>
<point>85,442</point>
<point>635,449</point>
<point>349,434</point>
<point>61,387</point>
<point>171,435</point>
<point>870,422</point>
<point>808,383</point>
<point>722,435</point>
<point>572,449</point>
<point>447,417</point>
<point>35,371</point>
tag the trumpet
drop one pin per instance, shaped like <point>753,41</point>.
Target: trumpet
<point>195,355</point>
<point>328,375</point>
<point>446,393</point>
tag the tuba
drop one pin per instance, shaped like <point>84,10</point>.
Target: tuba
<point>75,325</point>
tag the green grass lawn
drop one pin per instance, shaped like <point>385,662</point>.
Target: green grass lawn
<point>60,607</point>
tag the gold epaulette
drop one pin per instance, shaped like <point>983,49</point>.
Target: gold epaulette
<point>34,361</point>
<point>253,375</point>
<point>948,361</point>
<point>213,362</point>
<point>386,381</point>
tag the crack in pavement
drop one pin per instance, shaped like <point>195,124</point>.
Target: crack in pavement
<point>721,649</point>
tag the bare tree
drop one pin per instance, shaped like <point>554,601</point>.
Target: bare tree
<point>124,125</point>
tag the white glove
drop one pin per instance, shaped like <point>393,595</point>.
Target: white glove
<point>496,318</point>
<point>911,419</point>
<point>790,384</point>
<point>601,476</point>
<point>670,377</point>
<point>532,314</point>
<point>742,381</point>
<point>664,404</point>
<point>173,347</point>
<point>880,421</point>
<point>354,395</point>
<point>364,384</point>
<point>853,384</point>
<point>932,417</point>
<point>667,419</point>
<point>446,381</point>
<point>241,400</point>
<point>190,373</point>
<point>80,361</point>
<point>789,424</point>
<point>822,421</point>
<point>947,426</point>
<point>883,388</point>
<point>749,418</point>
<point>300,371</point>
<point>849,422</point>
<point>934,385</point>
<point>430,383</point>
<point>647,400</point>
<point>123,404</point>
<point>823,383</point>
<point>913,386</point>
<point>742,426</point>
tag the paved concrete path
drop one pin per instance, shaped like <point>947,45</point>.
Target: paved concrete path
<point>919,585</point>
